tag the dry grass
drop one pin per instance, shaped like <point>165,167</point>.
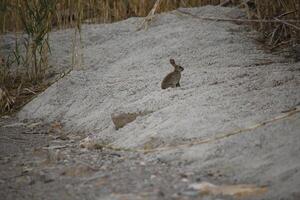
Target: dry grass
<point>16,92</point>
<point>21,74</point>
<point>67,13</point>
<point>95,11</point>
<point>280,11</point>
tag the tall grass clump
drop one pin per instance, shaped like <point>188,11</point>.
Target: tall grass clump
<point>282,31</point>
<point>4,6</point>
<point>36,18</point>
<point>93,11</point>
<point>22,72</point>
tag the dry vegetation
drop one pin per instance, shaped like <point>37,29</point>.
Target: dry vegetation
<point>96,11</point>
<point>37,17</point>
<point>281,31</point>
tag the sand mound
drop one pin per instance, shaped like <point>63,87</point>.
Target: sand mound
<point>227,84</point>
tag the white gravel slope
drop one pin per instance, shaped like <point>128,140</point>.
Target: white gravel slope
<point>227,84</point>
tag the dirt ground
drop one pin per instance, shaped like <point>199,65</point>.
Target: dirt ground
<point>39,163</point>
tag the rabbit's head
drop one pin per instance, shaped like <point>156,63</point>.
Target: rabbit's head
<point>176,67</point>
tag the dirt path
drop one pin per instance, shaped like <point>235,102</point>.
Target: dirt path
<point>42,162</point>
<point>38,163</point>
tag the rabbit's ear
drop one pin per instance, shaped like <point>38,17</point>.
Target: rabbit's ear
<point>172,61</point>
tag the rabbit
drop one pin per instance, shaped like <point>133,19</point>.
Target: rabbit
<point>173,78</point>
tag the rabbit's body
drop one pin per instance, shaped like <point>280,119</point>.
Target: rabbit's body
<point>173,78</point>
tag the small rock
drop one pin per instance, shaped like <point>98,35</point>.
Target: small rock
<point>45,178</point>
<point>152,176</point>
<point>175,196</point>
<point>121,119</point>
<point>63,137</point>
<point>191,193</point>
<point>87,143</point>
<point>183,175</point>
<point>23,180</point>
<point>26,169</point>
<point>5,117</point>
<point>198,179</point>
<point>185,180</point>
<point>160,193</point>
<point>5,160</point>
<point>142,163</point>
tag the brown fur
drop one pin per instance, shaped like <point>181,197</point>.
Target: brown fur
<point>173,78</point>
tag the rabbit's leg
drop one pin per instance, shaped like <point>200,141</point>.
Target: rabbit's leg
<point>177,84</point>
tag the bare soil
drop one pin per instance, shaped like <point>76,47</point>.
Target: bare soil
<point>40,163</point>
